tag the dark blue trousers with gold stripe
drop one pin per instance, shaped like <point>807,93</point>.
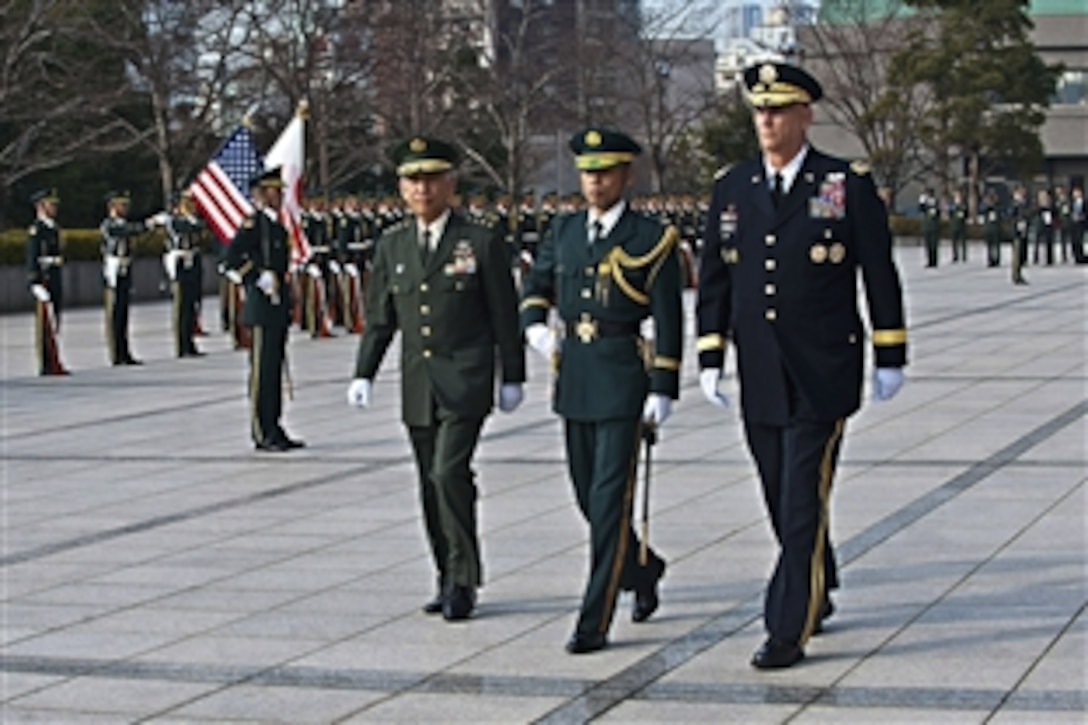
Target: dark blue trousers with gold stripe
<point>603,463</point>
<point>796,464</point>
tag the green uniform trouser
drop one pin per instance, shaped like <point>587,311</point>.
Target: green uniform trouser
<point>265,382</point>
<point>602,457</point>
<point>448,494</point>
<point>932,246</point>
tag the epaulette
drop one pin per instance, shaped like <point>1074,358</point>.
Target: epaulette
<point>395,227</point>
<point>859,167</point>
<point>722,171</point>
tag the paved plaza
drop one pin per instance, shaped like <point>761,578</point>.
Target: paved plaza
<point>157,569</point>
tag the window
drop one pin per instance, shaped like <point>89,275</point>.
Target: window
<point>1070,90</point>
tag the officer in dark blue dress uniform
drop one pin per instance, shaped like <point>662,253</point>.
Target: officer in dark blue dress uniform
<point>786,237</point>
<point>606,270</point>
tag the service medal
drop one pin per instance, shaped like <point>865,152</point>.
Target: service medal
<point>818,253</point>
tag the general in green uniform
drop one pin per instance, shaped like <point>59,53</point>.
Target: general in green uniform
<point>444,282</point>
<point>607,269</point>
<point>257,257</point>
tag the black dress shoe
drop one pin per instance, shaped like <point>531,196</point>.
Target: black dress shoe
<point>435,605</point>
<point>581,644</point>
<point>289,443</point>
<point>775,655</point>
<point>458,603</point>
<point>131,361</point>
<point>646,597</point>
<point>270,446</point>
<point>826,610</point>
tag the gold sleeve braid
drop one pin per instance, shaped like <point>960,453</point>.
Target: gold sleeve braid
<point>618,260</point>
<point>883,338</point>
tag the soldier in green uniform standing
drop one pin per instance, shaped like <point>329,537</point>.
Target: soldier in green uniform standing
<point>444,282</point>
<point>182,263</point>
<point>990,210</point>
<point>257,258</point>
<point>957,220</point>
<point>930,208</point>
<point>117,249</point>
<point>606,269</point>
<point>44,262</point>
<point>1020,213</point>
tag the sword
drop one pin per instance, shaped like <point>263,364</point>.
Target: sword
<point>649,439</point>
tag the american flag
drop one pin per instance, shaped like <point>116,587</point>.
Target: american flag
<point>219,188</point>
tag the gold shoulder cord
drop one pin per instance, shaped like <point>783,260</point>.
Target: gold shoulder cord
<point>619,260</point>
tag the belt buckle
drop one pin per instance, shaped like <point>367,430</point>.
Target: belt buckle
<point>586,329</point>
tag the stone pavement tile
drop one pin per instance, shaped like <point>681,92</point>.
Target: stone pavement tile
<point>66,643</point>
<point>1063,666</point>
<point>212,649</point>
<point>1016,716</point>
<point>153,619</point>
<point>902,715</point>
<point>278,623</point>
<point>12,715</point>
<point>296,706</point>
<point>362,653</point>
<point>668,713</point>
<point>101,695</point>
<point>17,684</point>
<point>468,708</point>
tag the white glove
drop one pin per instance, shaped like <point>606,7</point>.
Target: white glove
<point>526,257</point>
<point>359,392</point>
<point>161,219</point>
<point>886,383</point>
<point>708,381</point>
<point>314,271</point>
<point>170,264</point>
<point>267,282</point>
<point>234,276</point>
<point>351,269</point>
<point>510,396</point>
<point>657,409</point>
<point>334,266</point>
<point>541,339</point>
<point>40,292</point>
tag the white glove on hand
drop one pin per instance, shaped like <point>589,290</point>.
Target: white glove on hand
<point>314,271</point>
<point>541,339</point>
<point>657,409</point>
<point>334,266</point>
<point>708,381</point>
<point>351,269</point>
<point>510,396</point>
<point>234,276</point>
<point>359,393</point>
<point>886,383</point>
<point>40,292</point>
<point>267,282</point>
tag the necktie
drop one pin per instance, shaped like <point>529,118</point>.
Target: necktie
<point>425,245</point>
<point>596,232</point>
<point>776,193</point>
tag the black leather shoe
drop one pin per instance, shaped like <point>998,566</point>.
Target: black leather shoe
<point>131,361</point>
<point>646,597</point>
<point>581,644</point>
<point>435,605</point>
<point>826,610</point>
<point>775,655</point>
<point>270,446</point>
<point>458,603</point>
<point>289,443</point>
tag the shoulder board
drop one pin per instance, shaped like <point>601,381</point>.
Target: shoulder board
<point>859,167</point>
<point>720,173</point>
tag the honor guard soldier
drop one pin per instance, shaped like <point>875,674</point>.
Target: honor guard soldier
<point>350,251</point>
<point>957,223</point>
<point>117,253</point>
<point>786,237</point>
<point>1078,211</point>
<point>44,264</point>
<point>317,228</point>
<point>930,208</point>
<point>1020,214</point>
<point>257,258</point>
<point>181,262</point>
<point>1046,227</point>
<point>606,270</point>
<point>444,282</point>
<point>1064,209</point>
<point>990,211</point>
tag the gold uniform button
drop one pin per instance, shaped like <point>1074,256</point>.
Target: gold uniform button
<point>771,314</point>
<point>769,289</point>
<point>426,353</point>
<point>425,331</point>
<point>770,264</point>
<point>425,309</point>
<point>853,338</point>
<point>423,287</point>
<point>586,294</point>
<point>770,240</point>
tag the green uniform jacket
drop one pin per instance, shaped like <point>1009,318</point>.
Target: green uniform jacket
<point>453,315</point>
<point>260,244</point>
<point>43,256</point>
<point>629,275</point>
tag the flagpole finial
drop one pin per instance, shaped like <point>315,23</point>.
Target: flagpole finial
<point>303,110</point>
<point>247,121</point>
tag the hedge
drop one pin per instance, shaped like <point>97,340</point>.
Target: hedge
<point>86,245</point>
